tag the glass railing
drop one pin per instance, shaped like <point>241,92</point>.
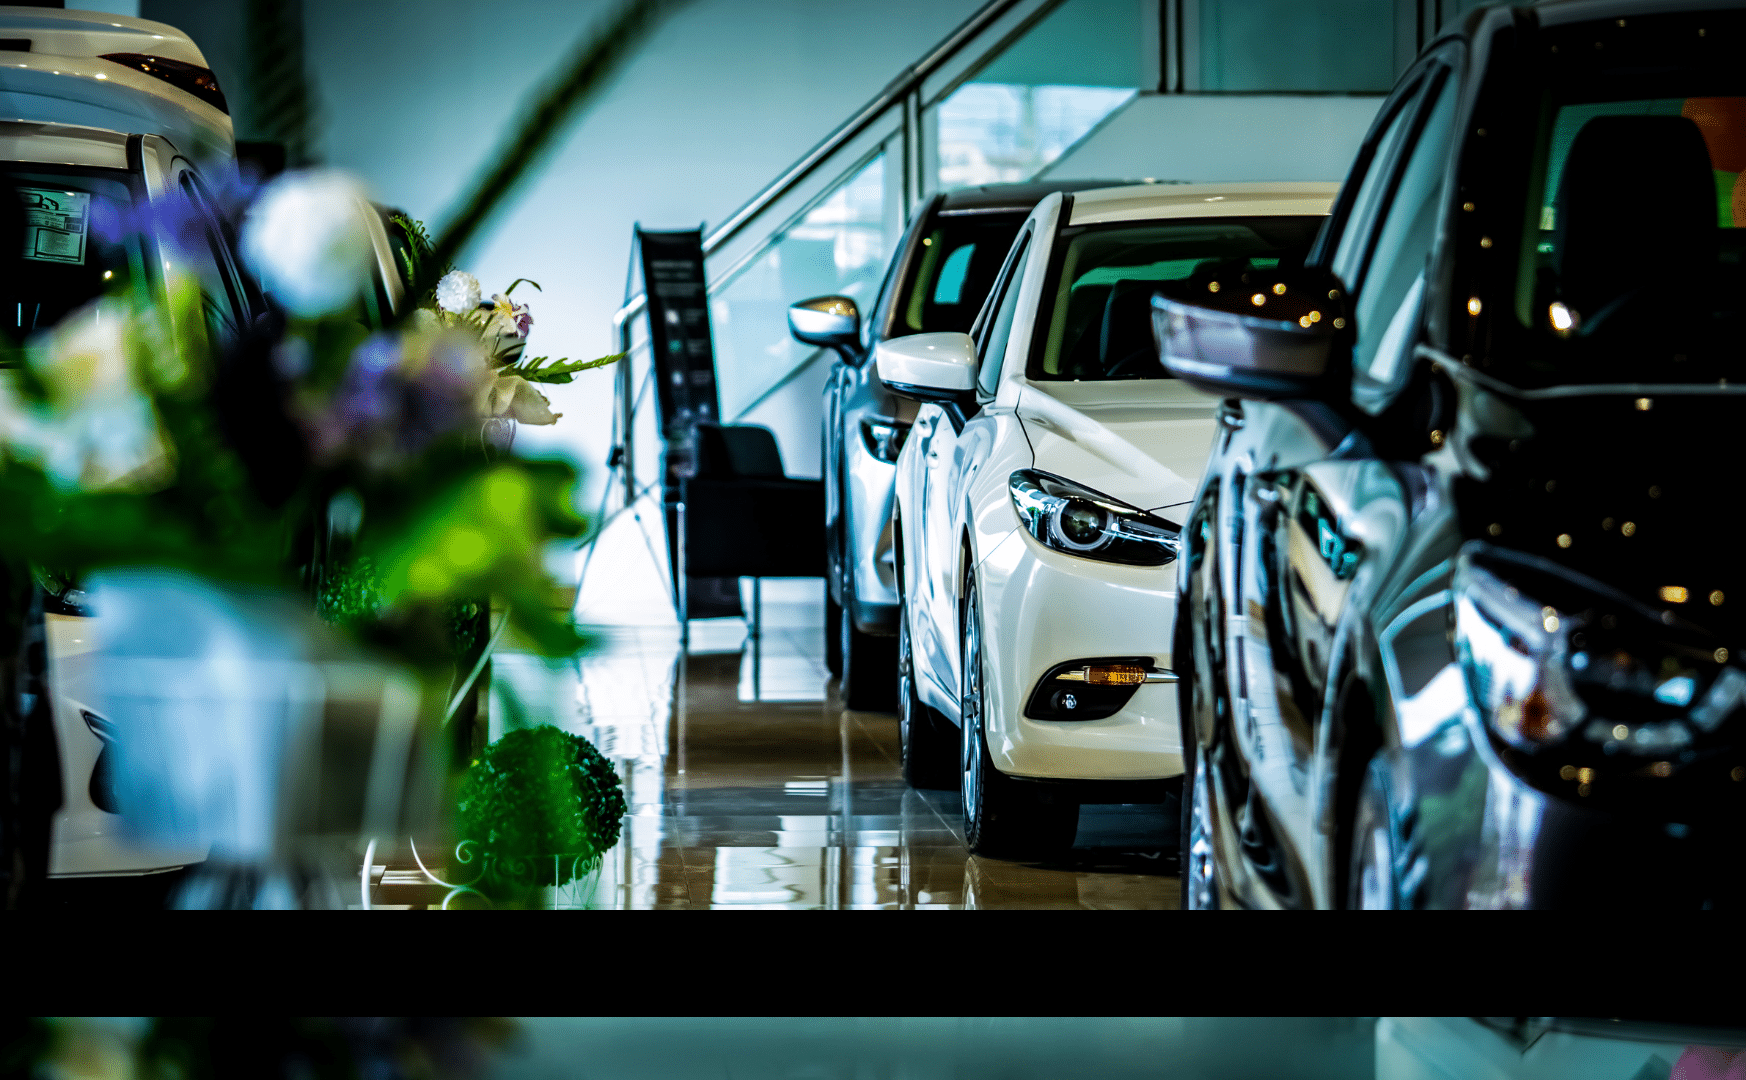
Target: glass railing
<point>837,246</point>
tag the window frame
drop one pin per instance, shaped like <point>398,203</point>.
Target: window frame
<point>1007,284</point>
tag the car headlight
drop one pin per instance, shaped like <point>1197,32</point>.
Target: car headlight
<point>1586,682</point>
<point>1079,521</point>
<point>883,440</point>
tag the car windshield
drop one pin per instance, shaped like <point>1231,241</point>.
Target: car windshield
<point>1097,300</point>
<point>1630,269</point>
<point>960,257</point>
<point>58,261</point>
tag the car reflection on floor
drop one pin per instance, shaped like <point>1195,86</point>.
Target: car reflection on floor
<point>759,791</point>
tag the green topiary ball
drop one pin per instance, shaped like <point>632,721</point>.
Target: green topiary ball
<point>534,794</point>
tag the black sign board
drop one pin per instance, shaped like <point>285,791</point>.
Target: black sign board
<point>684,360</point>
<point>679,329</point>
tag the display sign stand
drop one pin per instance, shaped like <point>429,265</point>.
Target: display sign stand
<point>682,354</point>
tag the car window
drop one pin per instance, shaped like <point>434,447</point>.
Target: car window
<point>993,347</point>
<point>1386,307</point>
<point>1349,252</point>
<point>1098,295</point>
<point>73,248</point>
<point>959,260</point>
<point>205,257</point>
<point>1616,209</point>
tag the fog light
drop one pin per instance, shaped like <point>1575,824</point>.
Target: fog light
<point>1115,675</point>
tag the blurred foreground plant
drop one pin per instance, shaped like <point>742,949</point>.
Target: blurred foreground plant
<point>300,448</point>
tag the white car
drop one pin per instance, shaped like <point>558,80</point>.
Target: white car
<point>70,178</point>
<point>114,72</point>
<point>1034,506</point>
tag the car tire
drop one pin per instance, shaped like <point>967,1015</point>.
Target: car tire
<point>1373,881</point>
<point>1197,858</point>
<point>928,752</point>
<point>1003,816</point>
<point>833,634</point>
<point>868,681</point>
<point>1199,867</point>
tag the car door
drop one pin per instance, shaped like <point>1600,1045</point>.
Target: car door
<point>949,464</point>
<point>1320,516</point>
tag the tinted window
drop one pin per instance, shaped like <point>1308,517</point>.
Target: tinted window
<point>947,284</point>
<point>68,249</point>
<point>1097,299</point>
<point>221,293</point>
<point>1350,250</point>
<point>994,347</point>
<point>1617,192</point>
<point>1388,302</point>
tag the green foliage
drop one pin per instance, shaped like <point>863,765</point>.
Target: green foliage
<point>533,794</point>
<point>352,594</point>
<point>542,369</point>
<point>415,255</point>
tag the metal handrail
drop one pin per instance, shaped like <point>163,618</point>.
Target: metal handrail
<point>899,88</point>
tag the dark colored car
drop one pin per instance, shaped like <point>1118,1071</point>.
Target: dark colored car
<point>941,273</point>
<point>1461,609</point>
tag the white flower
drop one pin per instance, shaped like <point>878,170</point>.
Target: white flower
<point>508,318</point>
<point>458,292</point>
<point>514,397</point>
<point>307,239</point>
<point>98,429</point>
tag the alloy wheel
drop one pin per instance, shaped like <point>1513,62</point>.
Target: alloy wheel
<point>1375,887</point>
<point>970,707</point>
<point>905,688</point>
<point>1200,891</point>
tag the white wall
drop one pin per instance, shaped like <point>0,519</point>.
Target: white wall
<point>415,95</point>
<point>1225,137</point>
<point>723,97</point>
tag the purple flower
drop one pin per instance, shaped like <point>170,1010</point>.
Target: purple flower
<point>399,395</point>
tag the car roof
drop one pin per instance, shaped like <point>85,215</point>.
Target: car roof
<point>1018,198</point>
<point>91,34</point>
<point>1141,202</point>
<point>62,144</point>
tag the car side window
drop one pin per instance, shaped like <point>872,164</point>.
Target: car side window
<point>221,294</point>
<point>1388,301</point>
<point>1350,250</point>
<point>992,349</point>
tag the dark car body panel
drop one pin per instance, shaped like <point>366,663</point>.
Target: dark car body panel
<point>1329,644</point>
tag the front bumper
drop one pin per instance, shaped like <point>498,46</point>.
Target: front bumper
<point>868,537</point>
<point>1045,608</point>
<point>1485,838</point>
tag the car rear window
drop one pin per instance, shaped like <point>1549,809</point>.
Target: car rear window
<point>58,260</point>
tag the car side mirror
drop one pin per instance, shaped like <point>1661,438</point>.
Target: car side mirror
<point>937,369</point>
<point>1257,334</point>
<point>828,322</point>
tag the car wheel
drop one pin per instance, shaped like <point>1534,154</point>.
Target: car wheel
<point>927,751</point>
<point>1002,816</point>
<point>868,681</point>
<point>1200,887</point>
<point>1372,884</point>
<point>1199,699</point>
<point>833,634</point>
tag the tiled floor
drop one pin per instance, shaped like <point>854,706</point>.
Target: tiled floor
<point>750,787</point>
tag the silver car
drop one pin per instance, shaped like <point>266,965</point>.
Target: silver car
<point>942,271</point>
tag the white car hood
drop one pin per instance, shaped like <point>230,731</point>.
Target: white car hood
<point>1143,441</point>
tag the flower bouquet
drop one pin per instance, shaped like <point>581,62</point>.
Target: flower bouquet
<point>501,326</point>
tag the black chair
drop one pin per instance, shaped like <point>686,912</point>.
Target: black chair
<point>744,517</point>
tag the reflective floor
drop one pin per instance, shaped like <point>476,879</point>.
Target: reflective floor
<point>750,787</point>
